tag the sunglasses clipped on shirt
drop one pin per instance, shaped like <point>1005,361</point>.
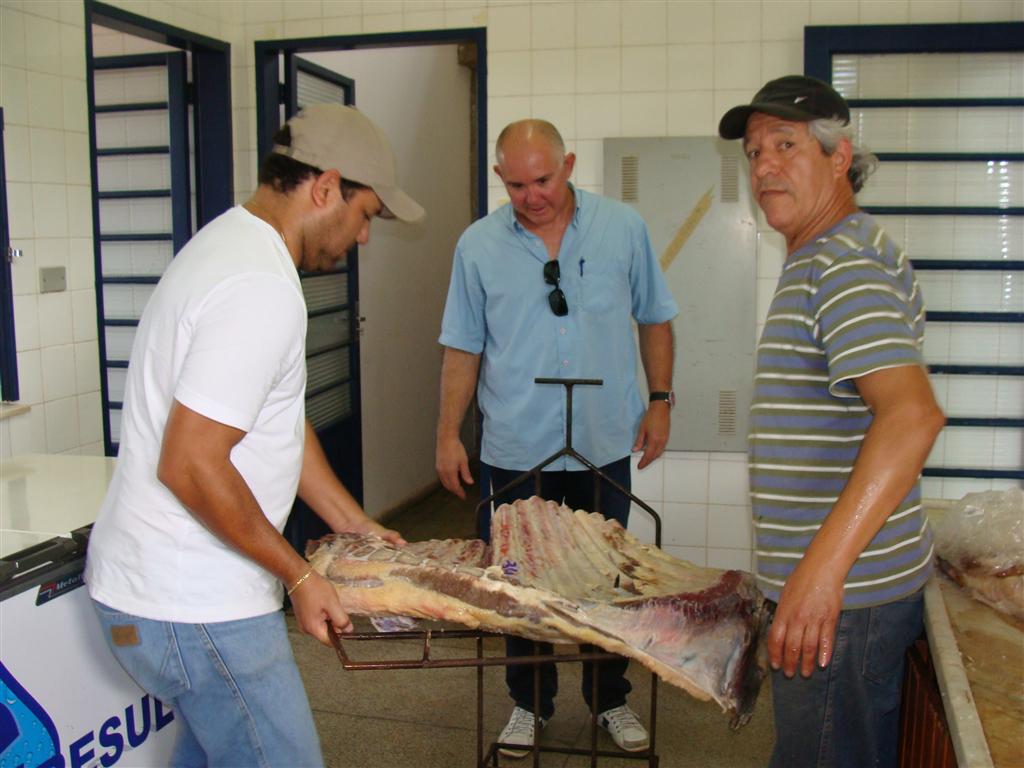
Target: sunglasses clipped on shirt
<point>556,299</point>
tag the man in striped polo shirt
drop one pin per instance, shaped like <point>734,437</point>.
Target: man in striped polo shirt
<point>842,420</point>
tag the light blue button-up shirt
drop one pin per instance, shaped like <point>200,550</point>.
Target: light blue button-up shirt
<point>498,306</point>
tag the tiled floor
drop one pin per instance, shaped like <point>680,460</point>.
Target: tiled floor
<point>427,718</point>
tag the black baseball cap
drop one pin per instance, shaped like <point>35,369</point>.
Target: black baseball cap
<point>793,97</point>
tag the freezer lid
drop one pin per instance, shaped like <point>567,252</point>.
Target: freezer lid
<point>52,494</point>
<point>55,566</point>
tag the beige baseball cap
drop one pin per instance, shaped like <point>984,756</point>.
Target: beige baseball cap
<point>335,136</point>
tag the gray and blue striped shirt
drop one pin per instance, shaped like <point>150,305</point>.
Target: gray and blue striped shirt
<point>847,304</point>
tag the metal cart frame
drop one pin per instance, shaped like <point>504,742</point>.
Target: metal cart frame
<point>480,661</point>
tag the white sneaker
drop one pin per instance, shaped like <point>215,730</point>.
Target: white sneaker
<point>625,728</point>
<point>519,730</point>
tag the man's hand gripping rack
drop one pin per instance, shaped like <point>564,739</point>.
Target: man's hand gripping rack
<point>480,661</point>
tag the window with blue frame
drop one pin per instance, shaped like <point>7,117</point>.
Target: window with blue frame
<point>161,144</point>
<point>942,106</point>
<point>8,349</point>
<point>143,195</point>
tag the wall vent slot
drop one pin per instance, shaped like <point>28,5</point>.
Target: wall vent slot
<point>630,178</point>
<point>730,179</point>
<point>726,412</point>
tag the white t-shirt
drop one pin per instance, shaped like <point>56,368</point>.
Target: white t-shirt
<point>224,334</point>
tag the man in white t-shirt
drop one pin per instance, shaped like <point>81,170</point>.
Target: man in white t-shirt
<point>187,565</point>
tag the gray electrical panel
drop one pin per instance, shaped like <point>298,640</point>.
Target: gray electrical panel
<point>694,195</point>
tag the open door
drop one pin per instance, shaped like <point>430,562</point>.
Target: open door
<point>413,84</point>
<point>332,336</point>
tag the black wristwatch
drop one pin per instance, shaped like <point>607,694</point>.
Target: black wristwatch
<point>668,397</point>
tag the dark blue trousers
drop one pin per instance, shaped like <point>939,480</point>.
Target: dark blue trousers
<point>847,715</point>
<point>576,490</point>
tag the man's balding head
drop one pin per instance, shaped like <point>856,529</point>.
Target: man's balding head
<point>535,169</point>
<point>527,132</point>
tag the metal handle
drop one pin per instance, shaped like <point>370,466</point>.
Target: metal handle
<point>13,254</point>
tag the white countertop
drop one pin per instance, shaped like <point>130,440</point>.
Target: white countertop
<point>965,729</point>
<point>47,495</point>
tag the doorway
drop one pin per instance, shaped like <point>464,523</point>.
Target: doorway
<point>426,91</point>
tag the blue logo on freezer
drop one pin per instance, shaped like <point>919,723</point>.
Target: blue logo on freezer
<point>51,589</point>
<point>27,734</point>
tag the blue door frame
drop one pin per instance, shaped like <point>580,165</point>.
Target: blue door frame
<point>269,90</point>
<point>8,348</point>
<point>340,436</point>
<point>345,455</point>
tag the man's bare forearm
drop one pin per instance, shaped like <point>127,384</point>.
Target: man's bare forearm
<point>657,352</point>
<point>195,465</point>
<point>906,422</point>
<point>459,372</point>
<point>321,489</point>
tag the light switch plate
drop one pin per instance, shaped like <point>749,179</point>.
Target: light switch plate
<point>52,279</point>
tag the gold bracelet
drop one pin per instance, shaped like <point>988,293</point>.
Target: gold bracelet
<point>298,583</point>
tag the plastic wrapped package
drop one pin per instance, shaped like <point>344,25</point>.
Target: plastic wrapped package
<point>979,541</point>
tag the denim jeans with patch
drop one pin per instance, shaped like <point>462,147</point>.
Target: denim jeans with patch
<point>233,685</point>
<point>847,715</point>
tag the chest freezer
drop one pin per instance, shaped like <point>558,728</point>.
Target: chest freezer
<point>66,702</point>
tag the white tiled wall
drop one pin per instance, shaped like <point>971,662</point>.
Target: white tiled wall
<point>43,93</point>
<point>703,504</point>
<point>42,90</point>
<point>596,69</point>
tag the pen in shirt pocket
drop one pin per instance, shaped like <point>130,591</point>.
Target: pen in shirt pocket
<point>581,266</point>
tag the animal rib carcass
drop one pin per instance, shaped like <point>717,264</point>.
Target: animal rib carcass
<point>556,575</point>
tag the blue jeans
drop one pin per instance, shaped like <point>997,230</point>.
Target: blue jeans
<point>233,685</point>
<point>576,489</point>
<point>847,715</point>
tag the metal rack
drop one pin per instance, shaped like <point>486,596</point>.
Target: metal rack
<point>480,661</point>
<point>425,661</point>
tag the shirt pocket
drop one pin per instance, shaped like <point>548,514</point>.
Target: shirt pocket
<point>604,289</point>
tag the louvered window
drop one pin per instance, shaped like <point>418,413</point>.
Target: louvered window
<point>944,112</point>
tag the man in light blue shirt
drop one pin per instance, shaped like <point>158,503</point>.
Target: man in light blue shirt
<point>549,286</point>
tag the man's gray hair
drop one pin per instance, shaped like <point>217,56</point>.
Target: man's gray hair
<point>829,132</point>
